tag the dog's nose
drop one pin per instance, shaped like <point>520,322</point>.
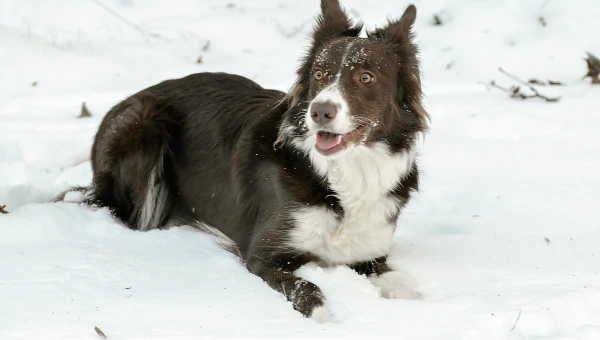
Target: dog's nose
<point>323,112</point>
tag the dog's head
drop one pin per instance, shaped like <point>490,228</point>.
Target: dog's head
<point>352,91</point>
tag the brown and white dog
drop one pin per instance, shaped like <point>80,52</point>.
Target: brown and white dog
<point>318,174</point>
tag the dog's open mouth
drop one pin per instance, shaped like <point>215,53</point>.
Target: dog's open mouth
<point>329,143</point>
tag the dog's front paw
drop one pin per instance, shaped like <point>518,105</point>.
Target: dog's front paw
<point>308,300</point>
<point>321,314</point>
<point>396,285</point>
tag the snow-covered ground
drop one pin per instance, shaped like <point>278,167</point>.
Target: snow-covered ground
<point>503,241</point>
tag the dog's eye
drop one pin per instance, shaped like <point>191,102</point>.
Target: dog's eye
<point>367,78</point>
<point>318,75</point>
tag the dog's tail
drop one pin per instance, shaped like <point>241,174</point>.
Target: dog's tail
<point>132,163</point>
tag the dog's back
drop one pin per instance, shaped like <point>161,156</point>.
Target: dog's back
<point>172,145</point>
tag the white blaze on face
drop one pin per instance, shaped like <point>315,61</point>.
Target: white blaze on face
<point>342,123</point>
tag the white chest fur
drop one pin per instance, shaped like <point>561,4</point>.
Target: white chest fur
<point>362,179</point>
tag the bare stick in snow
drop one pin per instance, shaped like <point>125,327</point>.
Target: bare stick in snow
<point>2,209</point>
<point>515,91</point>
<point>127,22</point>
<point>492,83</point>
<point>531,87</point>
<point>516,321</point>
<point>534,81</point>
<point>294,31</point>
<point>541,18</point>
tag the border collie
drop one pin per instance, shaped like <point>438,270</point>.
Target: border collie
<point>318,174</point>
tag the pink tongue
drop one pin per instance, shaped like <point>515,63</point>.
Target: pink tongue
<point>326,141</point>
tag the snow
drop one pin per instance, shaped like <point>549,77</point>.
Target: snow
<point>502,241</point>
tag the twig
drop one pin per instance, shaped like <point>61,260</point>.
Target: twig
<point>517,94</point>
<point>513,91</point>
<point>544,5</point>
<point>123,19</point>
<point>294,32</point>
<point>541,18</point>
<point>493,84</point>
<point>516,321</point>
<point>206,46</point>
<point>2,209</point>
<point>538,82</point>
<point>516,78</point>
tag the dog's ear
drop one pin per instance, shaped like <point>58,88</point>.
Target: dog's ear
<point>400,31</point>
<point>333,22</point>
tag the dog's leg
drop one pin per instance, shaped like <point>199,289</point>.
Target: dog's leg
<point>304,295</point>
<point>393,284</point>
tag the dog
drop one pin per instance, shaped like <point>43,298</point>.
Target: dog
<point>318,174</point>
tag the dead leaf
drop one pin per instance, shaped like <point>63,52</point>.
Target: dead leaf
<point>542,21</point>
<point>593,64</point>
<point>100,333</point>
<point>84,112</point>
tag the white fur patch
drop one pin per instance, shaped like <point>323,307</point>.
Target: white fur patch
<point>321,314</point>
<point>396,285</point>
<point>154,203</point>
<point>362,179</point>
<point>342,123</point>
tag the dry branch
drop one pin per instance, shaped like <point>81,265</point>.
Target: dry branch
<point>516,321</point>
<point>539,82</point>
<point>127,22</point>
<point>206,46</point>
<point>541,18</point>
<point>515,90</point>
<point>294,31</point>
